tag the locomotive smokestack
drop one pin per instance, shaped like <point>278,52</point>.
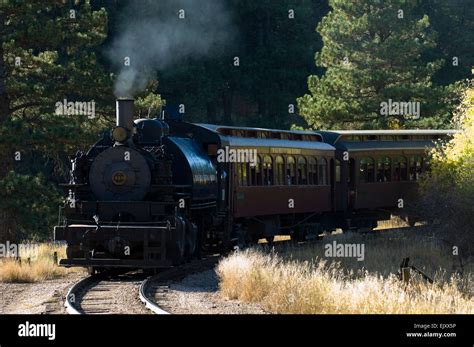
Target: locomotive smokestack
<point>125,108</point>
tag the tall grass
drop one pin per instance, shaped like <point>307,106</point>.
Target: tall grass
<point>302,280</point>
<point>34,267</point>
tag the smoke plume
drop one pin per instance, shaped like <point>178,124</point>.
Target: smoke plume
<point>153,35</point>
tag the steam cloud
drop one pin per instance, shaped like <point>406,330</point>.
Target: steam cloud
<point>153,37</point>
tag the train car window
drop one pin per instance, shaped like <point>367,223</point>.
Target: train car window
<point>267,171</point>
<point>290,171</point>
<point>416,168</point>
<point>312,171</point>
<point>279,171</point>
<point>252,134</point>
<point>257,172</point>
<point>238,170</point>
<point>400,172</point>
<point>322,171</point>
<point>371,170</point>
<point>253,174</point>
<point>242,174</point>
<point>338,171</point>
<point>351,138</point>
<point>384,169</point>
<point>366,170</point>
<point>302,174</point>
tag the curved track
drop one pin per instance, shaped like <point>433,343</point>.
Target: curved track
<point>106,294</point>
<point>154,287</point>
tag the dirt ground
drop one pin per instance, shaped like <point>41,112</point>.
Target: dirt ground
<point>195,294</point>
<point>198,294</point>
<point>36,298</point>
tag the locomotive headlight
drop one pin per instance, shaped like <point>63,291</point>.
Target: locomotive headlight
<point>119,134</point>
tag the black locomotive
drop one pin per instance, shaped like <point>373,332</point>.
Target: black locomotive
<point>157,192</point>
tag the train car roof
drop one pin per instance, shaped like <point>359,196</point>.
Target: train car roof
<point>247,141</point>
<point>218,128</point>
<point>364,140</point>
<point>353,140</point>
<point>334,136</point>
<point>276,143</point>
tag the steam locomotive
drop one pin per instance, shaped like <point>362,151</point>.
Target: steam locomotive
<point>153,193</point>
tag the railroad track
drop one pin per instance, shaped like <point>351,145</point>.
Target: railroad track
<point>107,294</point>
<point>154,288</point>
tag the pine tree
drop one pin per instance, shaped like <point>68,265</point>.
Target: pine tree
<point>373,51</point>
<point>453,22</point>
<point>48,53</point>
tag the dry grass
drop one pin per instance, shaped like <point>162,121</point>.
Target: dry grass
<point>302,280</point>
<point>40,267</point>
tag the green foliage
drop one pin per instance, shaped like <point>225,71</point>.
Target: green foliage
<point>32,202</point>
<point>48,54</point>
<point>448,193</point>
<point>453,162</point>
<point>453,21</point>
<point>373,52</point>
<point>149,105</point>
